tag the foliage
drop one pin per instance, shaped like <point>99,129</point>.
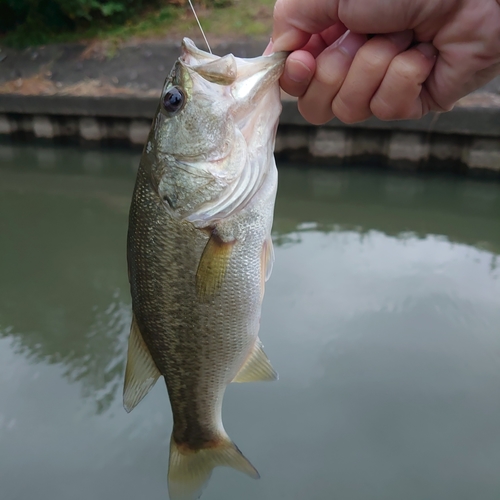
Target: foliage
<point>34,21</point>
<point>37,22</point>
<point>57,13</point>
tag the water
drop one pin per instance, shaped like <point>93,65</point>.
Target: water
<point>382,317</point>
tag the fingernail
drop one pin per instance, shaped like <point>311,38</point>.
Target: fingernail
<point>269,48</point>
<point>349,43</point>
<point>428,50</point>
<point>297,71</point>
<point>401,38</point>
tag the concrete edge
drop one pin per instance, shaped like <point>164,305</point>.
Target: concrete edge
<point>462,120</point>
<point>483,121</point>
<point>465,139</point>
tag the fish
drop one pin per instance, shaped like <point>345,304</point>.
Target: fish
<point>199,251</point>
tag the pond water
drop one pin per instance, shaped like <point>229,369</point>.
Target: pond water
<point>382,317</point>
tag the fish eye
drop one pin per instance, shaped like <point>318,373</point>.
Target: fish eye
<point>174,100</point>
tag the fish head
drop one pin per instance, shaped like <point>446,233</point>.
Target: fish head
<point>212,139</point>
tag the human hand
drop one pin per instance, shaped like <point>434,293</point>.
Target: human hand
<point>425,55</point>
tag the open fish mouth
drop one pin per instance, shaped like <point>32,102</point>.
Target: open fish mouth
<point>246,77</point>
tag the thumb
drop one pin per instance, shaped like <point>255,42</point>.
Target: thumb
<point>296,20</point>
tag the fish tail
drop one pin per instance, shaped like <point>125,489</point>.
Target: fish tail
<point>190,470</point>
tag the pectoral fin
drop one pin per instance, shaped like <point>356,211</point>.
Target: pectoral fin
<point>267,258</point>
<point>256,367</point>
<point>212,267</point>
<point>141,373</point>
<point>266,263</point>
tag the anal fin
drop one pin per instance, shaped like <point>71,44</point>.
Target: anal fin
<point>257,367</point>
<point>141,373</point>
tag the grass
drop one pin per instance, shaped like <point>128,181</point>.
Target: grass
<point>240,18</point>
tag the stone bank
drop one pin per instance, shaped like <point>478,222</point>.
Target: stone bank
<point>466,138</point>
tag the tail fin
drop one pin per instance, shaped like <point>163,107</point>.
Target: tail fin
<point>189,471</point>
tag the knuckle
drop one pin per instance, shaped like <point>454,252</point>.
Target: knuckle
<point>346,113</point>
<point>404,70</point>
<point>384,112</point>
<point>327,74</point>
<point>371,60</point>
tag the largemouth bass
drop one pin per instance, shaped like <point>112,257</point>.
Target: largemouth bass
<point>200,251</point>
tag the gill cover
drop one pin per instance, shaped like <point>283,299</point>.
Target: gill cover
<point>208,157</point>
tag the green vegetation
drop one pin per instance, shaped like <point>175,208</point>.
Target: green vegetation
<point>37,22</point>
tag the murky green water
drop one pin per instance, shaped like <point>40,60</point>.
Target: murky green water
<point>382,317</point>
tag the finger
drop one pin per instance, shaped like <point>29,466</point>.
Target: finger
<point>315,45</point>
<point>463,67</point>
<point>352,103</point>
<point>296,20</point>
<point>301,64</point>
<point>299,70</point>
<point>400,95</point>
<point>332,66</point>
<point>387,17</point>
<point>318,43</point>
<point>333,33</point>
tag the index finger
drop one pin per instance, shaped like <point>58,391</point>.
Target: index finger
<point>296,20</point>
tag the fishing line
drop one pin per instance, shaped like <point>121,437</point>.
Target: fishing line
<point>199,24</point>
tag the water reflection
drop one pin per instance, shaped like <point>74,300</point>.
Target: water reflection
<point>395,204</point>
<point>64,291</point>
<point>381,317</point>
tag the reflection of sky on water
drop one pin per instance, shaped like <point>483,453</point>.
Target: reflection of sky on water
<point>381,317</point>
<point>387,352</point>
<point>341,274</point>
<point>330,279</point>
<point>96,364</point>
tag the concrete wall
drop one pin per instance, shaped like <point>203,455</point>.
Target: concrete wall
<point>467,138</point>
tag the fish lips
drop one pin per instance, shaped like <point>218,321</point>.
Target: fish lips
<point>247,77</point>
